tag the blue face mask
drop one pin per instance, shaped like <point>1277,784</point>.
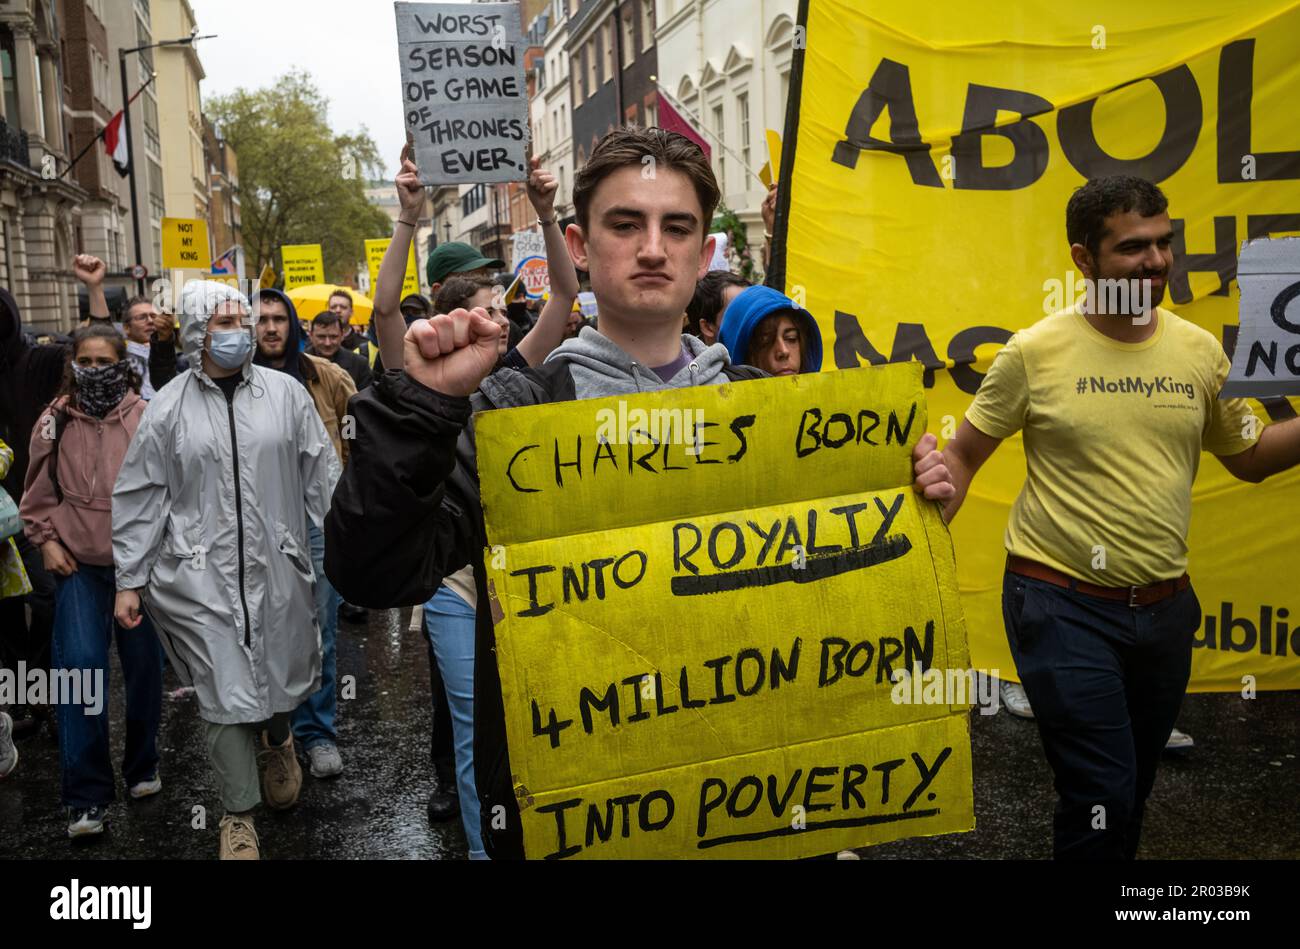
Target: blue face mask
<point>230,348</point>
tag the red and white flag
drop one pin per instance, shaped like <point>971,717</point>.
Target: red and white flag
<point>115,145</point>
<point>673,121</point>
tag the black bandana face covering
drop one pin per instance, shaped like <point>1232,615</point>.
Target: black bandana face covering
<point>101,388</point>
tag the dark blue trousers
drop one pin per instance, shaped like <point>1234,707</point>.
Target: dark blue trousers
<point>1106,681</point>
<point>84,628</point>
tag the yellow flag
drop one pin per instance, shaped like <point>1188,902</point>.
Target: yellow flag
<point>932,167</point>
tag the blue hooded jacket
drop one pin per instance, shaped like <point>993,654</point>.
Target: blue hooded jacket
<point>293,345</point>
<point>750,307</point>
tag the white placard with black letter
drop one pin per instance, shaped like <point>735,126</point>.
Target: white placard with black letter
<point>1266,361</point>
<point>463,90</point>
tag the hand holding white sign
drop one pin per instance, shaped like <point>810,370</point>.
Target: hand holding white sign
<point>542,188</point>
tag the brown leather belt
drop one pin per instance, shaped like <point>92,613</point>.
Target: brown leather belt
<point>1134,596</point>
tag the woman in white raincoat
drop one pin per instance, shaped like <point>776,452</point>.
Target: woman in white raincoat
<point>210,514</point>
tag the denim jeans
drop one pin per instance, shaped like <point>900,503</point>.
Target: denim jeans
<point>313,720</point>
<point>450,622</point>
<point>1106,681</point>
<point>83,628</point>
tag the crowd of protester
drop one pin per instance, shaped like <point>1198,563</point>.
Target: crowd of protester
<point>219,486</point>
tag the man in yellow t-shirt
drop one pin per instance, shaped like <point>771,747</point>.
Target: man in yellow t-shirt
<point>1117,399</point>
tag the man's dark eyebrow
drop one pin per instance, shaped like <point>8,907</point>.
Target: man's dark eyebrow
<point>684,217</point>
<point>1168,236</point>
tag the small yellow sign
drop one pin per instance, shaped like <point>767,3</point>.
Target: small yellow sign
<point>375,250</point>
<point>185,244</point>
<point>774,153</point>
<point>267,278</point>
<point>302,264</point>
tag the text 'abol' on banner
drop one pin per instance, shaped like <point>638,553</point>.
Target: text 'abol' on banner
<point>705,600</point>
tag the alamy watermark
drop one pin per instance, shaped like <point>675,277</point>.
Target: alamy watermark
<point>1130,296</point>
<point>84,687</point>
<point>626,426</point>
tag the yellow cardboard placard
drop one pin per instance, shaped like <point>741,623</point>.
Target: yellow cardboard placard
<point>1197,96</point>
<point>375,250</point>
<point>267,278</point>
<point>699,636</point>
<point>774,153</point>
<point>302,264</point>
<point>185,243</point>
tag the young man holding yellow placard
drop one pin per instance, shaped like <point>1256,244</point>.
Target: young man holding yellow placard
<point>643,237</point>
<point>1117,398</point>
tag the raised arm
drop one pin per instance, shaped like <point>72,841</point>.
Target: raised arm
<point>549,330</point>
<point>90,271</point>
<point>390,328</point>
<point>406,510</point>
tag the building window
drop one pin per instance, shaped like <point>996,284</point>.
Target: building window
<point>742,104</point>
<point>589,57</point>
<point>40,100</point>
<point>647,24</point>
<point>576,81</point>
<point>608,38</point>
<point>629,40</point>
<point>722,160</point>
<point>10,79</point>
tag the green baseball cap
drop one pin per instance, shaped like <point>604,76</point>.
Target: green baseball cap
<point>454,258</point>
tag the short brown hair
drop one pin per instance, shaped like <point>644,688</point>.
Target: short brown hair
<point>630,145</point>
<point>456,293</point>
<point>342,293</point>
<point>326,319</point>
<point>131,304</point>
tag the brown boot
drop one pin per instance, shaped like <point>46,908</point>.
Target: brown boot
<point>281,774</point>
<point>239,839</point>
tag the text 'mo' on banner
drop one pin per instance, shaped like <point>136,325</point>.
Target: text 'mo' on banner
<point>930,151</point>
<point>463,90</point>
<point>700,633</point>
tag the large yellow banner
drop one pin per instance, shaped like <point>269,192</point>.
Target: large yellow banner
<point>932,151</point>
<point>705,603</point>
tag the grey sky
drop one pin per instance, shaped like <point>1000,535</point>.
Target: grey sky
<point>348,46</point>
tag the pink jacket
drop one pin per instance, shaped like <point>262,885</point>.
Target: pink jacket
<point>90,453</point>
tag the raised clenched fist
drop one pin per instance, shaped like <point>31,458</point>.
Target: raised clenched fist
<point>542,188</point>
<point>452,353</point>
<point>88,269</point>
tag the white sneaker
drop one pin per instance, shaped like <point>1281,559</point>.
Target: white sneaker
<point>86,821</point>
<point>326,762</point>
<point>1179,741</point>
<point>1014,699</point>
<point>8,750</point>
<point>146,788</point>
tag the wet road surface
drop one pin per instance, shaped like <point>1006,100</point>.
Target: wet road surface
<point>1233,796</point>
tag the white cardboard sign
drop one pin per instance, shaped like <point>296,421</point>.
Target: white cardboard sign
<point>463,90</point>
<point>1266,361</point>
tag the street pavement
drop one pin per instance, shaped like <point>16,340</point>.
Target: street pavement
<point>1236,795</point>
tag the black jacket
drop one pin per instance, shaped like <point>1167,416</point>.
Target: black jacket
<point>356,366</point>
<point>30,374</point>
<point>406,513</point>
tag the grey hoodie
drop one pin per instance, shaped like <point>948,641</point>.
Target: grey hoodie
<point>599,367</point>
